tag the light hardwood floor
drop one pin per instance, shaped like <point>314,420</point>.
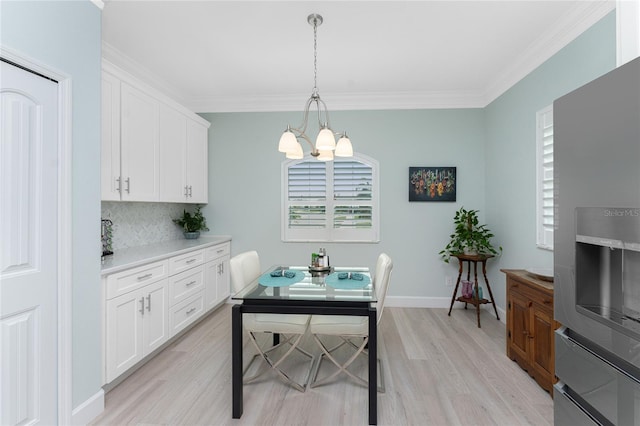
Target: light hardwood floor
<point>439,370</point>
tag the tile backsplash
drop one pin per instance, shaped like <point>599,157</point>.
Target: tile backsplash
<point>137,224</point>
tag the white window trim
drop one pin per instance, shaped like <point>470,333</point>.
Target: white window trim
<point>544,233</point>
<point>330,234</point>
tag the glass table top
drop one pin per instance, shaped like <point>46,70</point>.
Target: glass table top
<point>349,284</point>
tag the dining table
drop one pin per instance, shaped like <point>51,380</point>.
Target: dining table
<point>316,291</point>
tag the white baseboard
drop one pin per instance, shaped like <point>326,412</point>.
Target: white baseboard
<point>88,410</point>
<point>434,302</point>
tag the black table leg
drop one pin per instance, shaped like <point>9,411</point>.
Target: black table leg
<point>373,366</point>
<point>236,360</point>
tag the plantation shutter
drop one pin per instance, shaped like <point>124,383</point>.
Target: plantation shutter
<point>352,193</point>
<point>330,201</point>
<point>306,195</point>
<point>545,178</point>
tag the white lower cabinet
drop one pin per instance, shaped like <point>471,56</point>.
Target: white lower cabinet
<point>217,277</point>
<point>136,324</point>
<point>147,305</point>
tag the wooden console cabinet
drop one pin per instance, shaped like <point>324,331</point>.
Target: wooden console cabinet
<point>530,325</point>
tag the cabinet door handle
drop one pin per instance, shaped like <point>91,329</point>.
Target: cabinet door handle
<point>145,276</point>
<point>546,301</point>
<point>190,191</point>
<point>186,191</point>
<point>191,283</point>
<point>190,261</point>
<point>119,188</point>
<point>222,268</point>
<point>190,311</point>
<point>142,305</point>
<point>149,302</point>
<point>128,188</point>
<point>220,251</point>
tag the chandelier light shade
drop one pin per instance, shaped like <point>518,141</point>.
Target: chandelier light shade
<point>326,140</point>
<point>344,148</point>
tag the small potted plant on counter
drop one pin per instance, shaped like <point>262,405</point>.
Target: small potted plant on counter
<point>469,237</point>
<point>192,224</point>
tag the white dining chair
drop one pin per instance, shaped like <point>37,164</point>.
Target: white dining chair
<point>245,268</point>
<point>348,328</point>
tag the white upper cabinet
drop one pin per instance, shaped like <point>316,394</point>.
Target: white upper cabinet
<point>140,146</point>
<point>173,141</point>
<point>111,184</point>
<point>196,165</point>
<point>153,149</point>
<point>183,158</point>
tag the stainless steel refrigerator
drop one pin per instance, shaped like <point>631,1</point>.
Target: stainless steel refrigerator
<point>597,251</point>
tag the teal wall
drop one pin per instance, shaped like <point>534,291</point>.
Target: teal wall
<point>66,35</point>
<point>510,123</point>
<point>244,187</point>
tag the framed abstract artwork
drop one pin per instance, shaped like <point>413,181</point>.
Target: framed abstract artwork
<point>432,184</point>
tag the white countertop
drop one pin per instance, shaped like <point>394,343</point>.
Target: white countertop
<point>136,256</point>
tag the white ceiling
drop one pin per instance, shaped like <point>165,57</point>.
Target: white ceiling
<point>217,56</point>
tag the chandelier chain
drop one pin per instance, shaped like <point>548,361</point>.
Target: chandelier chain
<point>315,57</point>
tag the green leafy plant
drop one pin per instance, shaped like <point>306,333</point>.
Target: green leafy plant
<point>192,222</point>
<point>469,236</point>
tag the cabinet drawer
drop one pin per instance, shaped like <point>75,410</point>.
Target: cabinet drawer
<point>531,292</point>
<point>186,312</point>
<point>217,251</point>
<point>185,284</point>
<point>185,261</point>
<point>134,278</point>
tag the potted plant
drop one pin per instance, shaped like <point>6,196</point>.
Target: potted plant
<point>192,224</point>
<point>469,236</point>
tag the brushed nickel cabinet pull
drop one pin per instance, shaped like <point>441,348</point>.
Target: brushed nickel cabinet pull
<point>145,276</point>
<point>190,261</point>
<point>190,311</point>
<point>149,302</point>
<point>128,188</point>
<point>142,305</point>
<point>191,283</point>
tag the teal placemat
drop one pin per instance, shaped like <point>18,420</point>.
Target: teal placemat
<point>333,281</point>
<point>268,281</point>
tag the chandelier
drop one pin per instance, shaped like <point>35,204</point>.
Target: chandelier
<point>325,147</point>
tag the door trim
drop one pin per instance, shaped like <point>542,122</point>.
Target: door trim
<point>64,226</point>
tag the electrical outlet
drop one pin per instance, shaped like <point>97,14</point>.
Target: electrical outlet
<point>448,281</point>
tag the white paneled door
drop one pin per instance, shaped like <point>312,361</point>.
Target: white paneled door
<point>28,247</point>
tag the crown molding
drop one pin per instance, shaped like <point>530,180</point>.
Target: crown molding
<point>341,101</point>
<point>119,59</point>
<point>567,29</point>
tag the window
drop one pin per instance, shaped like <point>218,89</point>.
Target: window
<point>544,178</point>
<point>330,201</point>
